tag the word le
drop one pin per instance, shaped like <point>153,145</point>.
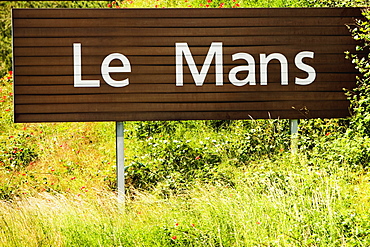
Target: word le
<point>215,51</point>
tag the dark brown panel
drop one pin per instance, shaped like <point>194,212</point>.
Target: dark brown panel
<point>44,64</point>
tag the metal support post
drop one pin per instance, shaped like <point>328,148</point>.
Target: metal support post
<point>120,161</point>
<point>294,135</point>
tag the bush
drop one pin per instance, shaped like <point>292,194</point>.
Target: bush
<point>360,97</point>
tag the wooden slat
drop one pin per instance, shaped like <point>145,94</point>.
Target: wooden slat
<point>185,22</point>
<point>166,60</point>
<point>171,88</point>
<point>342,79</point>
<point>153,69</point>
<point>176,32</point>
<point>144,116</point>
<point>179,106</point>
<point>193,41</point>
<point>180,97</point>
<point>187,12</point>
<point>170,51</point>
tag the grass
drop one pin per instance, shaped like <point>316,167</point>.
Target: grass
<point>273,204</point>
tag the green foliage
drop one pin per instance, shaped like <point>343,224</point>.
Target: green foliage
<point>360,97</point>
<point>335,3</point>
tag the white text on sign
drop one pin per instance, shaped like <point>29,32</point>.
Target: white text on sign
<point>214,53</point>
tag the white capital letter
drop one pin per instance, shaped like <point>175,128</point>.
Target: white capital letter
<point>77,74</point>
<point>105,69</point>
<point>284,67</point>
<point>251,67</point>
<point>308,69</point>
<point>214,50</point>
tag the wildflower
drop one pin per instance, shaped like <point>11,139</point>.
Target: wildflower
<point>73,178</point>
<point>174,237</point>
<point>7,109</point>
<point>10,72</point>
<point>11,94</point>
<point>197,158</point>
<point>177,224</point>
<point>109,5</point>
<point>327,134</point>
<point>209,1</point>
<point>192,224</point>
<point>258,223</point>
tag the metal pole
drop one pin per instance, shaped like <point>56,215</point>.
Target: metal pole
<point>294,135</point>
<point>120,161</point>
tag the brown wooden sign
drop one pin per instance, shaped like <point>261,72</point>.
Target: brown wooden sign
<point>179,64</point>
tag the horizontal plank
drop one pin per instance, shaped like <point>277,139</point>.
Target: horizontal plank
<point>169,60</point>
<point>170,51</point>
<point>168,88</point>
<point>150,116</point>
<point>185,12</point>
<point>205,21</point>
<point>337,30</point>
<point>180,107</point>
<point>305,41</point>
<point>179,97</point>
<point>171,79</point>
<point>159,69</point>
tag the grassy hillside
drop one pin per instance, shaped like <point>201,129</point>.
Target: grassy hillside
<point>190,183</point>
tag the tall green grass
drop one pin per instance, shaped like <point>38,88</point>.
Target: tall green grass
<point>273,204</point>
